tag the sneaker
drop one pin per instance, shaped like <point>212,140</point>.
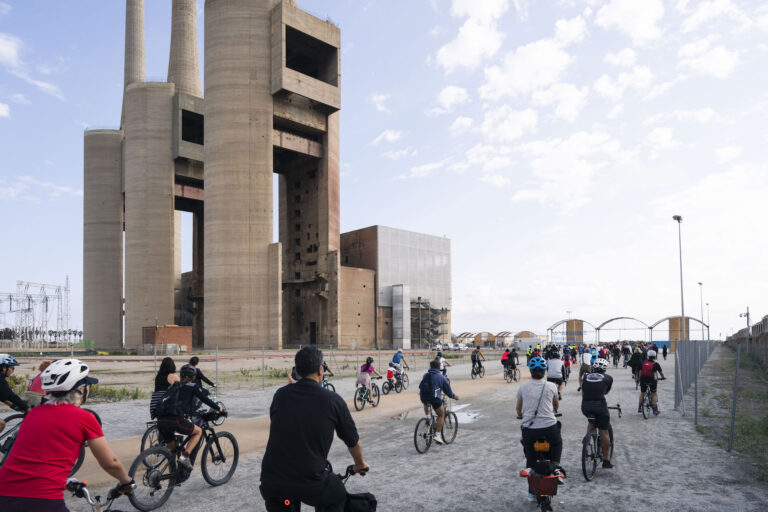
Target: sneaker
<point>184,461</point>
<point>656,412</point>
<point>530,496</point>
<point>438,440</point>
<point>560,476</point>
<point>639,408</point>
<point>559,397</point>
<point>607,464</point>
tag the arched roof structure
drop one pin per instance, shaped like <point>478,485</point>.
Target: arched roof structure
<point>566,320</point>
<point>621,318</point>
<point>503,334</point>
<point>525,334</point>
<point>672,317</point>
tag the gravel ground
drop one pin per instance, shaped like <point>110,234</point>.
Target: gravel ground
<point>660,464</point>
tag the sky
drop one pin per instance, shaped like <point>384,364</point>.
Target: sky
<point>552,142</point>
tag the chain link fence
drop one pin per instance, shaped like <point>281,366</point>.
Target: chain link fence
<point>690,357</point>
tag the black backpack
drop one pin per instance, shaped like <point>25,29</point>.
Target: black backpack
<point>363,502</point>
<point>170,404</point>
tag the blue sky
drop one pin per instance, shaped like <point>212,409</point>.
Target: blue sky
<point>551,141</point>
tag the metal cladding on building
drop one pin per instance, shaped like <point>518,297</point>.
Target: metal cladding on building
<point>270,106</point>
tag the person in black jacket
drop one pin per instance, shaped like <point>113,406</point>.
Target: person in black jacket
<point>7,365</point>
<point>194,360</point>
<point>304,418</point>
<point>172,415</point>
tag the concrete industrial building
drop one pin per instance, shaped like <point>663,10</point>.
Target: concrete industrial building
<point>270,105</point>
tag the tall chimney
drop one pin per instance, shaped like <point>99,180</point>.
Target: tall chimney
<point>134,42</point>
<point>183,65</point>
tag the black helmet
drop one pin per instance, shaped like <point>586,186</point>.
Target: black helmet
<point>369,360</point>
<point>188,371</point>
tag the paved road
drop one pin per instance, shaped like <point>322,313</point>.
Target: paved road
<point>661,463</point>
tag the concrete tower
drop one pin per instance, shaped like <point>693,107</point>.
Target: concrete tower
<point>135,57</point>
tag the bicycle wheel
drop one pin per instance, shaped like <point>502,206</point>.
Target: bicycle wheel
<point>154,483</point>
<point>516,375</point>
<point>482,372</point>
<point>79,461</point>
<point>375,396</point>
<point>220,458</point>
<point>404,379</point>
<point>386,387</point>
<point>359,398</point>
<point>450,427</point>
<point>589,457</point>
<point>610,436</point>
<point>422,436</point>
<point>646,406</point>
<point>507,376</point>
<point>8,435</point>
<point>330,387</point>
<point>150,438</point>
<point>473,374</point>
<point>398,386</point>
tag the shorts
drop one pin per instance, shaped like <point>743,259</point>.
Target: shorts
<point>585,368</point>
<point>169,425</point>
<point>436,403</point>
<point>13,504</point>
<point>646,382</point>
<point>555,381</point>
<point>599,411</point>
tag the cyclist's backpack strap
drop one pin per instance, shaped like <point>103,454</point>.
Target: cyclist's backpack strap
<point>170,403</point>
<point>362,502</point>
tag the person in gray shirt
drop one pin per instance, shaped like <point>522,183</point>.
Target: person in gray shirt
<point>537,404</point>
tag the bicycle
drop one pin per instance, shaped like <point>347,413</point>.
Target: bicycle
<point>80,490</point>
<point>12,426</point>
<point>425,428</point>
<point>511,374</point>
<point>477,371</point>
<point>388,386</point>
<point>157,471</point>
<point>364,396</point>
<point>647,405</point>
<point>327,385</point>
<point>591,451</point>
<point>151,435</point>
<point>541,485</point>
<point>292,504</point>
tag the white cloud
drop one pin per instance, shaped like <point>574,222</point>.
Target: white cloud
<point>29,188</point>
<point>507,124</point>
<point>568,32</point>
<point>46,87</point>
<point>448,98</point>
<point>521,6</point>
<point>616,111</point>
<point>701,115</point>
<point>564,169</point>
<point>380,101</point>
<point>714,11</point>
<point>388,136</point>
<point>661,139</point>
<point>461,125</point>
<point>762,18</point>
<point>20,99</point>
<point>624,58</point>
<point>700,58</point>
<point>727,154</point>
<point>10,48</point>
<point>400,154</point>
<point>497,180</point>
<point>478,39</point>
<point>569,100</point>
<point>639,78</point>
<point>637,19</point>
<point>421,171</point>
<point>5,111</point>
<point>4,8</point>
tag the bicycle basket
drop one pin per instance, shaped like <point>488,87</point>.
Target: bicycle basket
<point>543,485</point>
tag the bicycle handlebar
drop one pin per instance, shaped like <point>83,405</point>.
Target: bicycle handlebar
<point>79,490</point>
<point>617,408</point>
<point>351,471</point>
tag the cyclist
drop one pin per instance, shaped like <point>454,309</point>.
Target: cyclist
<point>647,372</point>
<point>566,363</point>
<point>193,361</point>
<point>635,362</point>
<point>536,405</point>
<point>304,418</point>
<point>586,365</point>
<point>443,363</point>
<point>173,411</point>
<point>616,352</point>
<point>556,372</point>
<point>505,360</point>
<point>431,388</point>
<point>596,385</point>
<point>49,442</point>
<point>476,356</point>
<point>164,379</point>
<point>626,351</point>
<point>364,377</point>
<point>399,361</point>
<point>8,364</point>
<point>513,355</point>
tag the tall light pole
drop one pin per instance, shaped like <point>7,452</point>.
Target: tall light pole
<point>678,390</point>
<point>707,321</point>
<point>701,297</point>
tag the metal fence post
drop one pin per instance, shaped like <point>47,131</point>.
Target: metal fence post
<point>735,391</point>
<point>155,351</point>
<point>262,367</point>
<point>217,368</point>
<point>696,386</point>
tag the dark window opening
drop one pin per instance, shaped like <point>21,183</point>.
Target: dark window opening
<point>297,227</point>
<point>192,127</point>
<point>298,241</point>
<point>309,250</point>
<point>297,184</point>
<point>297,256</point>
<point>297,293</point>
<point>311,263</point>
<point>297,275</point>
<point>297,199</point>
<point>311,57</point>
<point>311,174</point>
<point>346,260</point>
<point>297,213</point>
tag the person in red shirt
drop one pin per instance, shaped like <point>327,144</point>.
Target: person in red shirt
<point>34,475</point>
<point>35,393</point>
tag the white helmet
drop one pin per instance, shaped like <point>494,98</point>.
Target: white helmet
<point>600,365</point>
<point>399,350</point>
<point>651,353</point>
<point>65,375</point>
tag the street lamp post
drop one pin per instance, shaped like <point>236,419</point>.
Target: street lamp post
<point>701,297</point>
<point>679,220</point>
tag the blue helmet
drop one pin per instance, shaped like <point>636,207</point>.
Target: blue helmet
<point>8,360</point>
<point>537,363</point>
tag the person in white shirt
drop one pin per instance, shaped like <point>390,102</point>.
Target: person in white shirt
<point>555,373</point>
<point>586,366</point>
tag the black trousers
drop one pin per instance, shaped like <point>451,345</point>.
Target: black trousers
<point>328,496</point>
<point>551,434</point>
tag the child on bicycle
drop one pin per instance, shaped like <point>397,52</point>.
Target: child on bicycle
<point>174,409</point>
<point>433,385</point>
<point>364,377</point>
